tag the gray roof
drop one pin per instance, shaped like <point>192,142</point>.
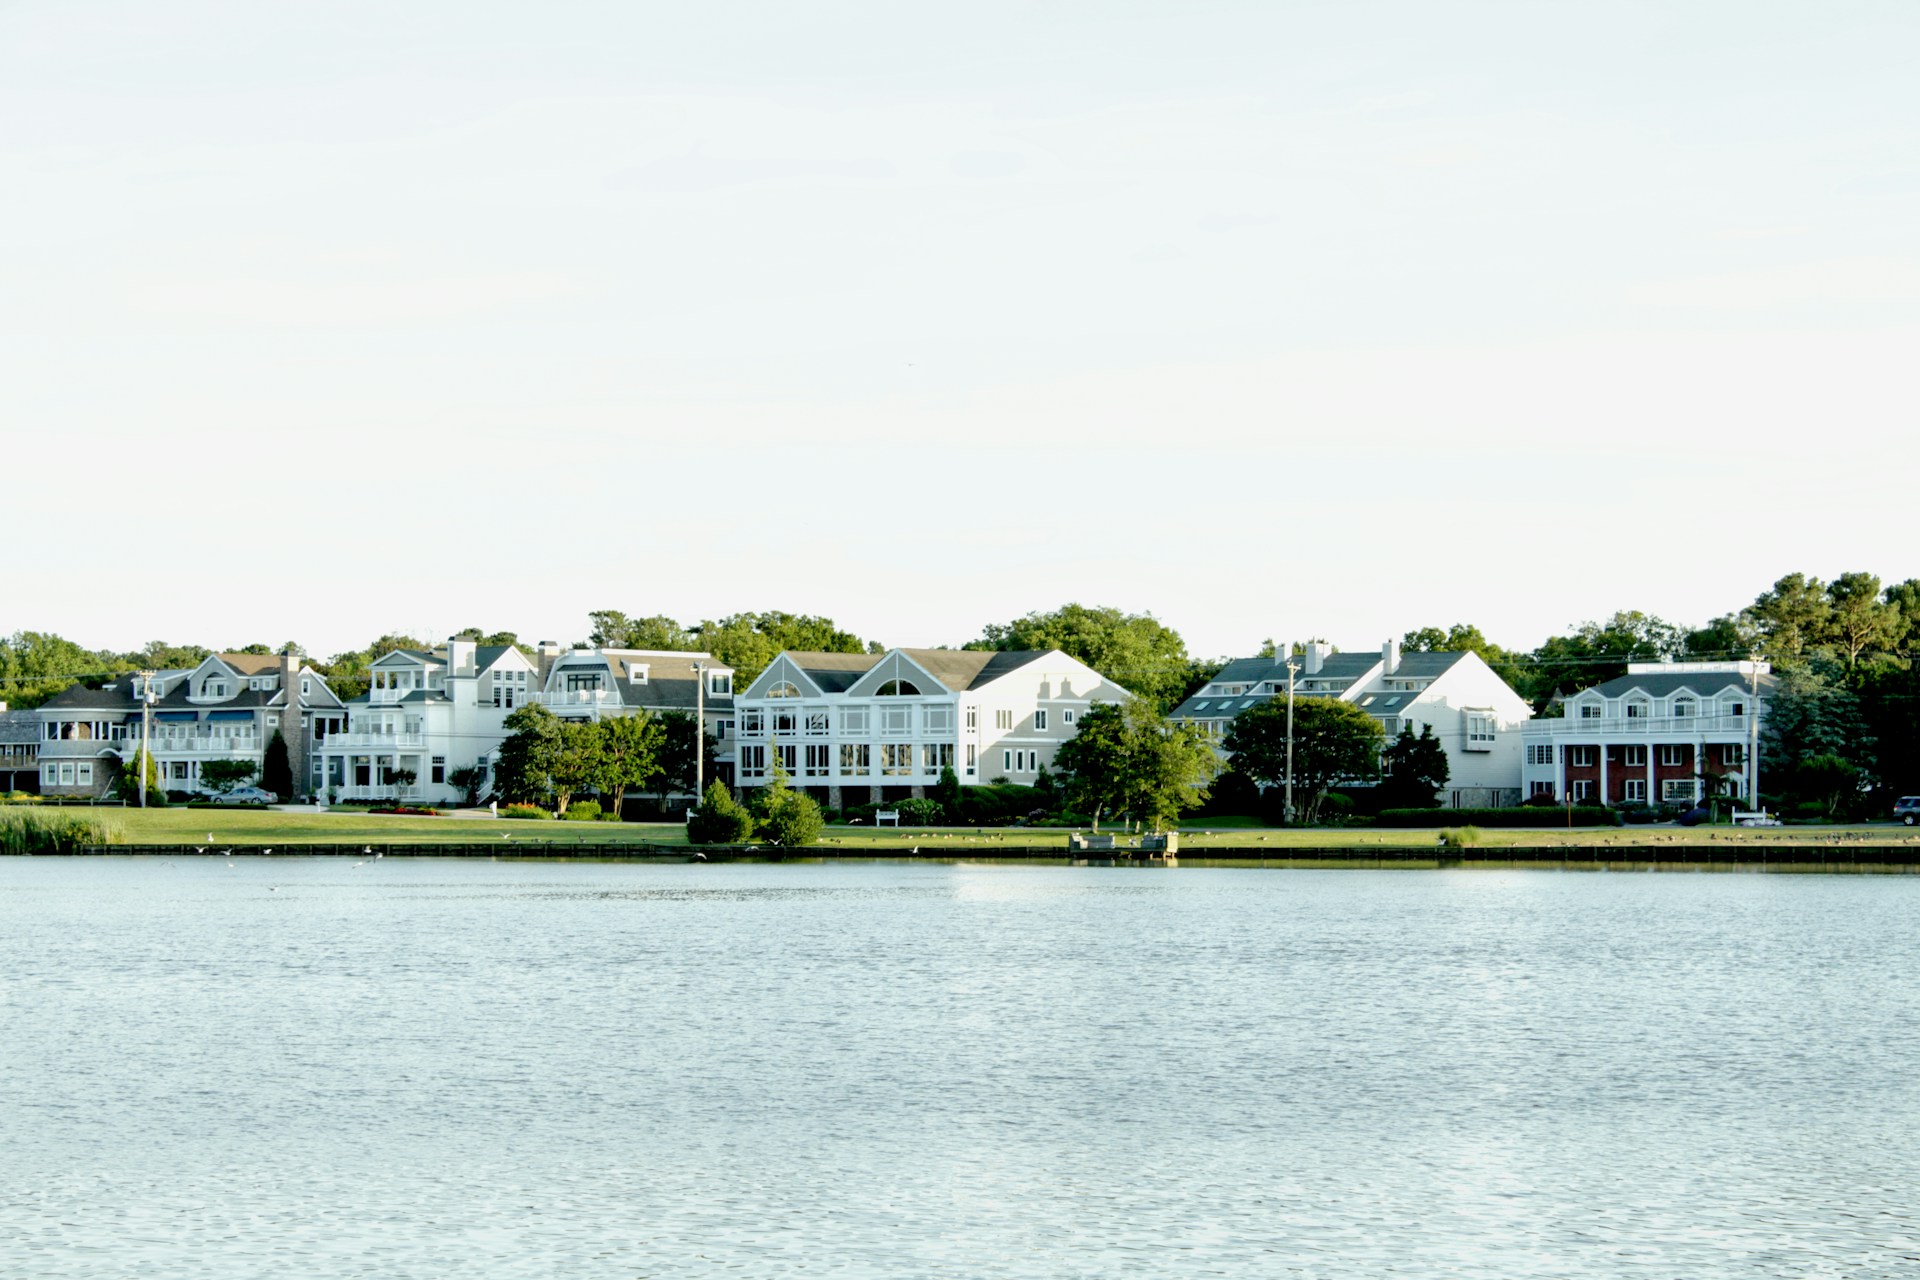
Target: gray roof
<point>1662,684</point>
<point>1252,672</point>
<point>957,669</point>
<point>19,726</point>
<point>834,672</point>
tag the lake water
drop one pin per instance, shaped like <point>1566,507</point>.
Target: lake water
<point>302,1068</point>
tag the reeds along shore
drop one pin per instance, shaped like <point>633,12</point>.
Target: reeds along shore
<point>30,831</point>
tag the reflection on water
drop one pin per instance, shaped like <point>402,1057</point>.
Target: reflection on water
<point>434,1069</point>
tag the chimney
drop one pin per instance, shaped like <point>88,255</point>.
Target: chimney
<point>460,656</point>
<point>1389,657</point>
<point>294,728</point>
<point>1315,655</point>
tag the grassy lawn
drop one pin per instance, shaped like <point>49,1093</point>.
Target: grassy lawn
<point>256,827</point>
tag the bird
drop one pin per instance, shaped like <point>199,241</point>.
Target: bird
<point>359,864</point>
<point>209,837</point>
<point>265,852</point>
<point>200,848</point>
<point>367,849</point>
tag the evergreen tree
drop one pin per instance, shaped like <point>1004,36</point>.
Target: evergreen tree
<point>1413,770</point>
<point>720,818</point>
<point>788,818</point>
<point>276,771</point>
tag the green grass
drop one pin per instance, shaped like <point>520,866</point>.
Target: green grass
<point>256,827</point>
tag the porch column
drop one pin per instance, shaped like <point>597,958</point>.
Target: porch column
<point>1653,756</point>
<point>1606,793</point>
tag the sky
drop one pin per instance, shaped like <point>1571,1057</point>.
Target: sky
<point>1281,319</point>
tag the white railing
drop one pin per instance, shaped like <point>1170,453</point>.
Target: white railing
<point>351,741</point>
<point>1640,726</point>
<point>578,698</point>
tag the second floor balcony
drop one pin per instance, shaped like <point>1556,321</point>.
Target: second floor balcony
<point>1598,727</point>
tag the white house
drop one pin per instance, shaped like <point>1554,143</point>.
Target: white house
<point>1473,712</point>
<point>226,708</point>
<point>429,713</point>
<point>871,728</point>
<point>1657,735</point>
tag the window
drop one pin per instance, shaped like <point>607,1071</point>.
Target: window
<point>1634,757</point>
<point>855,757</point>
<point>896,758</point>
<point>1201,705</point>
<point>973,718</point>
<point>819,758</point>
<point>973,763</point>
<point>939,718</point>
<point>720,684</point>
<point>753,761</point>
<point>1582,790</point>
<point>1682,707</point>
<point>1022,761</point>
<point>817,720</point>
<point>853,721</point>
<point>1066,717</point>
<point>789,758</point>
<point>1734,753</point>
<point>306,687</point>
<point>1480,731</point>
<point>180,771</point>
<point>935,756</point>
<point>1673,754</point>
<point>1539,753</point>
<point>83,773</point>
<point>785,721</point>
<point>896,719</point>
<point>637,672</point>
<point>582,681</point>
<point>1580,757</point>
<point>784,689</point>
<point>1739,709</point>
<point>1542,789</point>
<point>1003,719</point>
<point>1590,710</point>
<point>723,728</point>
<point>66,775</point>
<point>899,689</point>
<point>752,722</point>
<point>1040,722</point>
<point>1636,711</point>
<point>1636,790</point>
<point>1675,789</point>
<point>439,773</point>
<point>214,689</point>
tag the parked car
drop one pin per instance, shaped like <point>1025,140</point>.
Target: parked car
<point>249,795</point>
<point>1906,809</point>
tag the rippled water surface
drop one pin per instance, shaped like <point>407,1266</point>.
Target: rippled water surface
<point>298,1067</point>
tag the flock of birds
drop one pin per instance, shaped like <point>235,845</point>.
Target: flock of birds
<point>372,856</point>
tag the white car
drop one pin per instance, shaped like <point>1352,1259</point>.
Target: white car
<point>248,795</point>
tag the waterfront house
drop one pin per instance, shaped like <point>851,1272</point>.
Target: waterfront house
<point>1664,733</point>
<point>591,684</point>
<point>226,708</point>
<point>871,728</point>
<point>1476,715</point>
<point>19,750</point>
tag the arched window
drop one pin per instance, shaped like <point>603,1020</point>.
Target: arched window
<point>899,689</point>
<point>784,689</point>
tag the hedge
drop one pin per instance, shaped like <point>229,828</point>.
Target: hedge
<point>1583,815</point>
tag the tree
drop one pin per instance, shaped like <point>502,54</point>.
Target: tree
<point>677,738</point>
<point>161,656</point>
<point>276,770</point>
<point>788,818</point>
<point>1595,652</point>
<point>1413,770</point>
<point>1791,618</point>
<point>946,794</point>
<point>347,673</point>
<point>719,819</point>
<point>576,767</point>
<point>478,636</point>
<point>529,755</point>
<point>222,776</point>
<point>749,642</point>
<point>627,755</point>
<point>1128,759</point>
<point>1333,741</point>
<point>468,778</point>
<point>1810,713</point>
<point>1136,651</point>
<point>127,777</point>
<point>615,630</point>
<point>35,665</point>
<point>1858,620</point>
<point>1463,638</point>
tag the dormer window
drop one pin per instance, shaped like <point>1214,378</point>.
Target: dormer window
<point>213,689</point>
<point>637,672</point>
<point>1590,711</point>
<point>720,684</point>
<point>1636,710</point>
<point>1682,707</point>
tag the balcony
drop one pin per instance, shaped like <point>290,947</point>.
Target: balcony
<point>1611,727</point>
<point>370,741</point>
<point>557,698</point>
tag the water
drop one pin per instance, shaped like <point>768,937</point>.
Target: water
<point>448,1069</point>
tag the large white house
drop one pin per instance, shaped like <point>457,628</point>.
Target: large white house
<point>1473,712</point>
<point>867,728</point>
<point>1664,733</point>
<point>226,708</point>
<point>429,713</point>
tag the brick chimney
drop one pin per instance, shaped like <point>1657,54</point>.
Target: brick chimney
<point>294,727</point>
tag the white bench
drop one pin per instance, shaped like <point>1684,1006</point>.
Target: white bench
<point>886,815</point>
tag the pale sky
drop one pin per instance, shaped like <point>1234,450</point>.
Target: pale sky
<point>1273,319</point>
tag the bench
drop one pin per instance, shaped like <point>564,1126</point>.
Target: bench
<point>886,815</point>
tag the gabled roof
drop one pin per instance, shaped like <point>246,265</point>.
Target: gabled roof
<point>834,672</point>
<point>252,664</point>
<point>960,669</point>
<point>1664,684</point>
<point>1426,666</point>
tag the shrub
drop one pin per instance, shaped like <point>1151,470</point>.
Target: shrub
<point>1460,837</point>
<point>719,819</point>
<point>583,811</point>
<point>792,819</point>
<point>918,812</point>
<point>532,811</point>
<point>37,831</point>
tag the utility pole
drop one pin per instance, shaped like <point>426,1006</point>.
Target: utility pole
<point>1292,668</point>
<point>145,761</point>
<point>1753,731</point>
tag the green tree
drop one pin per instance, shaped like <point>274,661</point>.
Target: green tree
<point>1128,759</point>
<point>615,630</point>
<point>576,767</point>
<point>677,738</point>
<point>127,776</point>
<point>161,656</point>
<point>35,665</point>
<point>720,819</point>
<point>1136,651</point>
<point>1413,770</point>
<point>468,778</point>
<point>276,769</point>
<point>1811,713</point>
<point>1333,741</point>
<point>787,818</point>
<point>222,776</point>
<point>530,755</point>
<point>946,794</point>
<point>749,642</point>
<point>627,755</point>
<point>1463,638</point>
<point>478,636</point>
<point>347,673</point>
<point>1858,619</point>
<point>1791,618</point>
<point>1595,652</point>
